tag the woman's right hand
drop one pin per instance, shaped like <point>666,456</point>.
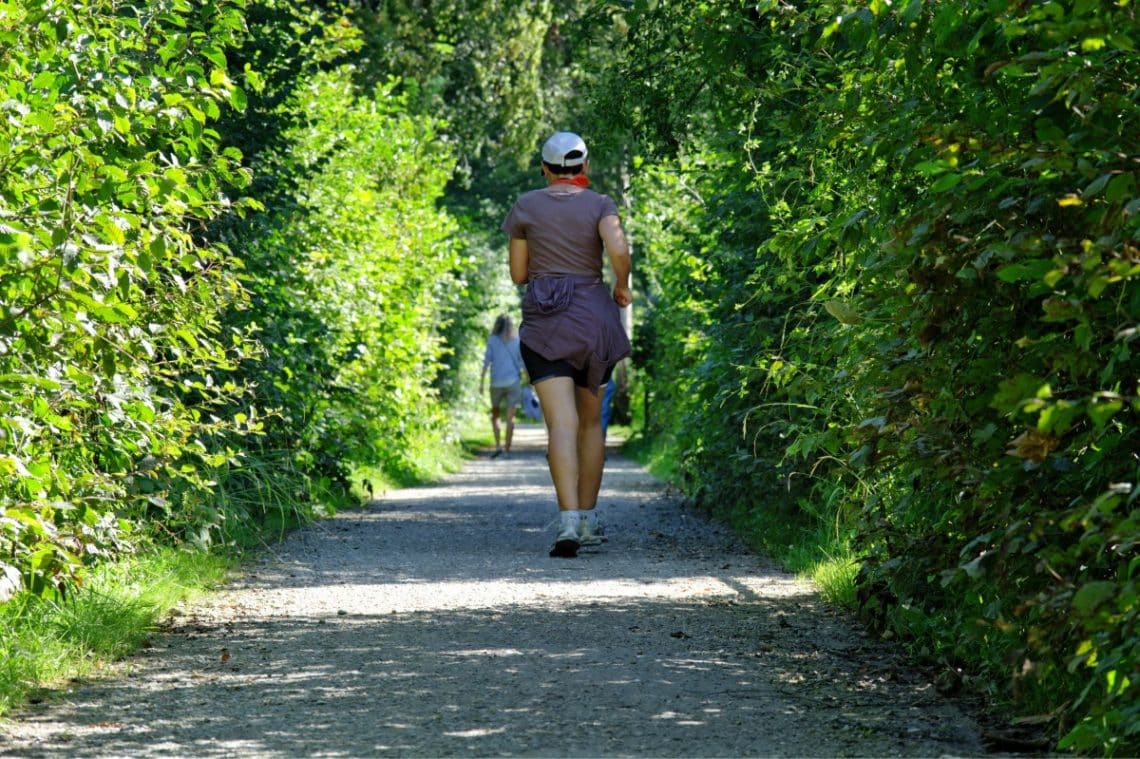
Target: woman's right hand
<point>622,295</point>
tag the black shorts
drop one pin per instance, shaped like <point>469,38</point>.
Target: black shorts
<point>539,368</point>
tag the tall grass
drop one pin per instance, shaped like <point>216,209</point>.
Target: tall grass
<point>268,495</point>
<point>428,458</point>
<point>44,643</point>
<point>802,542</point>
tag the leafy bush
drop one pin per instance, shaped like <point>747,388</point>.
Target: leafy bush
<point>350,271</point>
<point>110,340</point>
<point>1010,403</point>
<point>912,283</point>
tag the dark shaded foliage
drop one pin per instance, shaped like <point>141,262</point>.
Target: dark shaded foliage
<point>893,255</point>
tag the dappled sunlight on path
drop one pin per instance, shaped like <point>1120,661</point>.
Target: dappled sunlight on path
<point>433,623</point>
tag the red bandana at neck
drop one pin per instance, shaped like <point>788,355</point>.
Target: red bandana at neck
<point>578,180</point>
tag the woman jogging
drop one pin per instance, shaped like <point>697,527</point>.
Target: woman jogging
<point>571,334</point>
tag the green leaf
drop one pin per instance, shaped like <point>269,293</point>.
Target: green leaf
<point>41,120</point>
<point>24,379</point>
<point>1093,594</point>
<point>976,568</point>
<point>946,182</point>
<point>1013,392</point>
<point>1122,42</point>
<point>1082,336</point>
<point>842,312</point>
<point>932,168</point>
<point>1102,412</point>
<point>1094,187</point>
<point>1084,7</point>
<point>187,337</point>
<point>1121,187</point>
<point>157,249</point>
<point>44,80</point>
<point>41,560</point>
<point>238,99</point>
<point>1058,417</point>
<point>1029,270</point>
<point>215,56</point>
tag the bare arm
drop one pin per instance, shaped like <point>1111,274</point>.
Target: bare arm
<point>614,238</point>
<point>520,261</point>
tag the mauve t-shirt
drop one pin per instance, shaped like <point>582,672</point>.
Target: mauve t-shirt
<point>568,313</point>
<point>560,227</point>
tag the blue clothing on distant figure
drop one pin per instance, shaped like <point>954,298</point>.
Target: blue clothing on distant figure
<point>607,402</point>
<point>505,361</point>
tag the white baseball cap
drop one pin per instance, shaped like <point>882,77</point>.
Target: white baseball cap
<point>564,149</point>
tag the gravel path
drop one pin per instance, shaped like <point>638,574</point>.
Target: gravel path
<point>433,623</point>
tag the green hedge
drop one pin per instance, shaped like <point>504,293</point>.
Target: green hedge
<point>110,336</point>
<point>351,272</point>
<point>892,268</point>
<point>183,350</point>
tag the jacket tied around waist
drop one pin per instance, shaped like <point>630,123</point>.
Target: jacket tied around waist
<point>574,318</point>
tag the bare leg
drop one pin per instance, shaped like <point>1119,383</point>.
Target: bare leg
<point>495,425</point>
<point>560,412</point>
<point>510,427</point>
<point>591,447</point>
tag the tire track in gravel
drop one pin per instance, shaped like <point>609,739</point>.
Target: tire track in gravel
<point>433,623</point>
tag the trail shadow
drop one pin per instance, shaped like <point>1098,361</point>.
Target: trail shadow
<point>505,681</point>
<point>433,623</point>
<point>494,521</point>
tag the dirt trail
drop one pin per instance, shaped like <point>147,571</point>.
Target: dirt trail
<point>434,624</point>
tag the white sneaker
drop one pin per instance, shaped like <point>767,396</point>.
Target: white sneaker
<point>566,544</point>
<point>590,536</point>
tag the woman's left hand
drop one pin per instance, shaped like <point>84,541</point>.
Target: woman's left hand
<point>622,295</point>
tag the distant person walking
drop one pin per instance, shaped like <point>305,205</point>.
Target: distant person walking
<point>506,365</point>
<point>571,334</point>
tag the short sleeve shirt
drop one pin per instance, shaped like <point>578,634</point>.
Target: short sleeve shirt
<point>504,360</point>
<point>560,227</point>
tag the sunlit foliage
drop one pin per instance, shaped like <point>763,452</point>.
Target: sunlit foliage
<point>111,347</point>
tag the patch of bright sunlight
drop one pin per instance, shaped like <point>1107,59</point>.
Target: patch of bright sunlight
<point>835,578</point>
<point>412,596</point>
<point>479,732</point>
<point>679,718</point>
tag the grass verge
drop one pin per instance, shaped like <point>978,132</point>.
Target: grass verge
<point>45,643</point>
<point>798,541</point>
<point>427,460</point>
